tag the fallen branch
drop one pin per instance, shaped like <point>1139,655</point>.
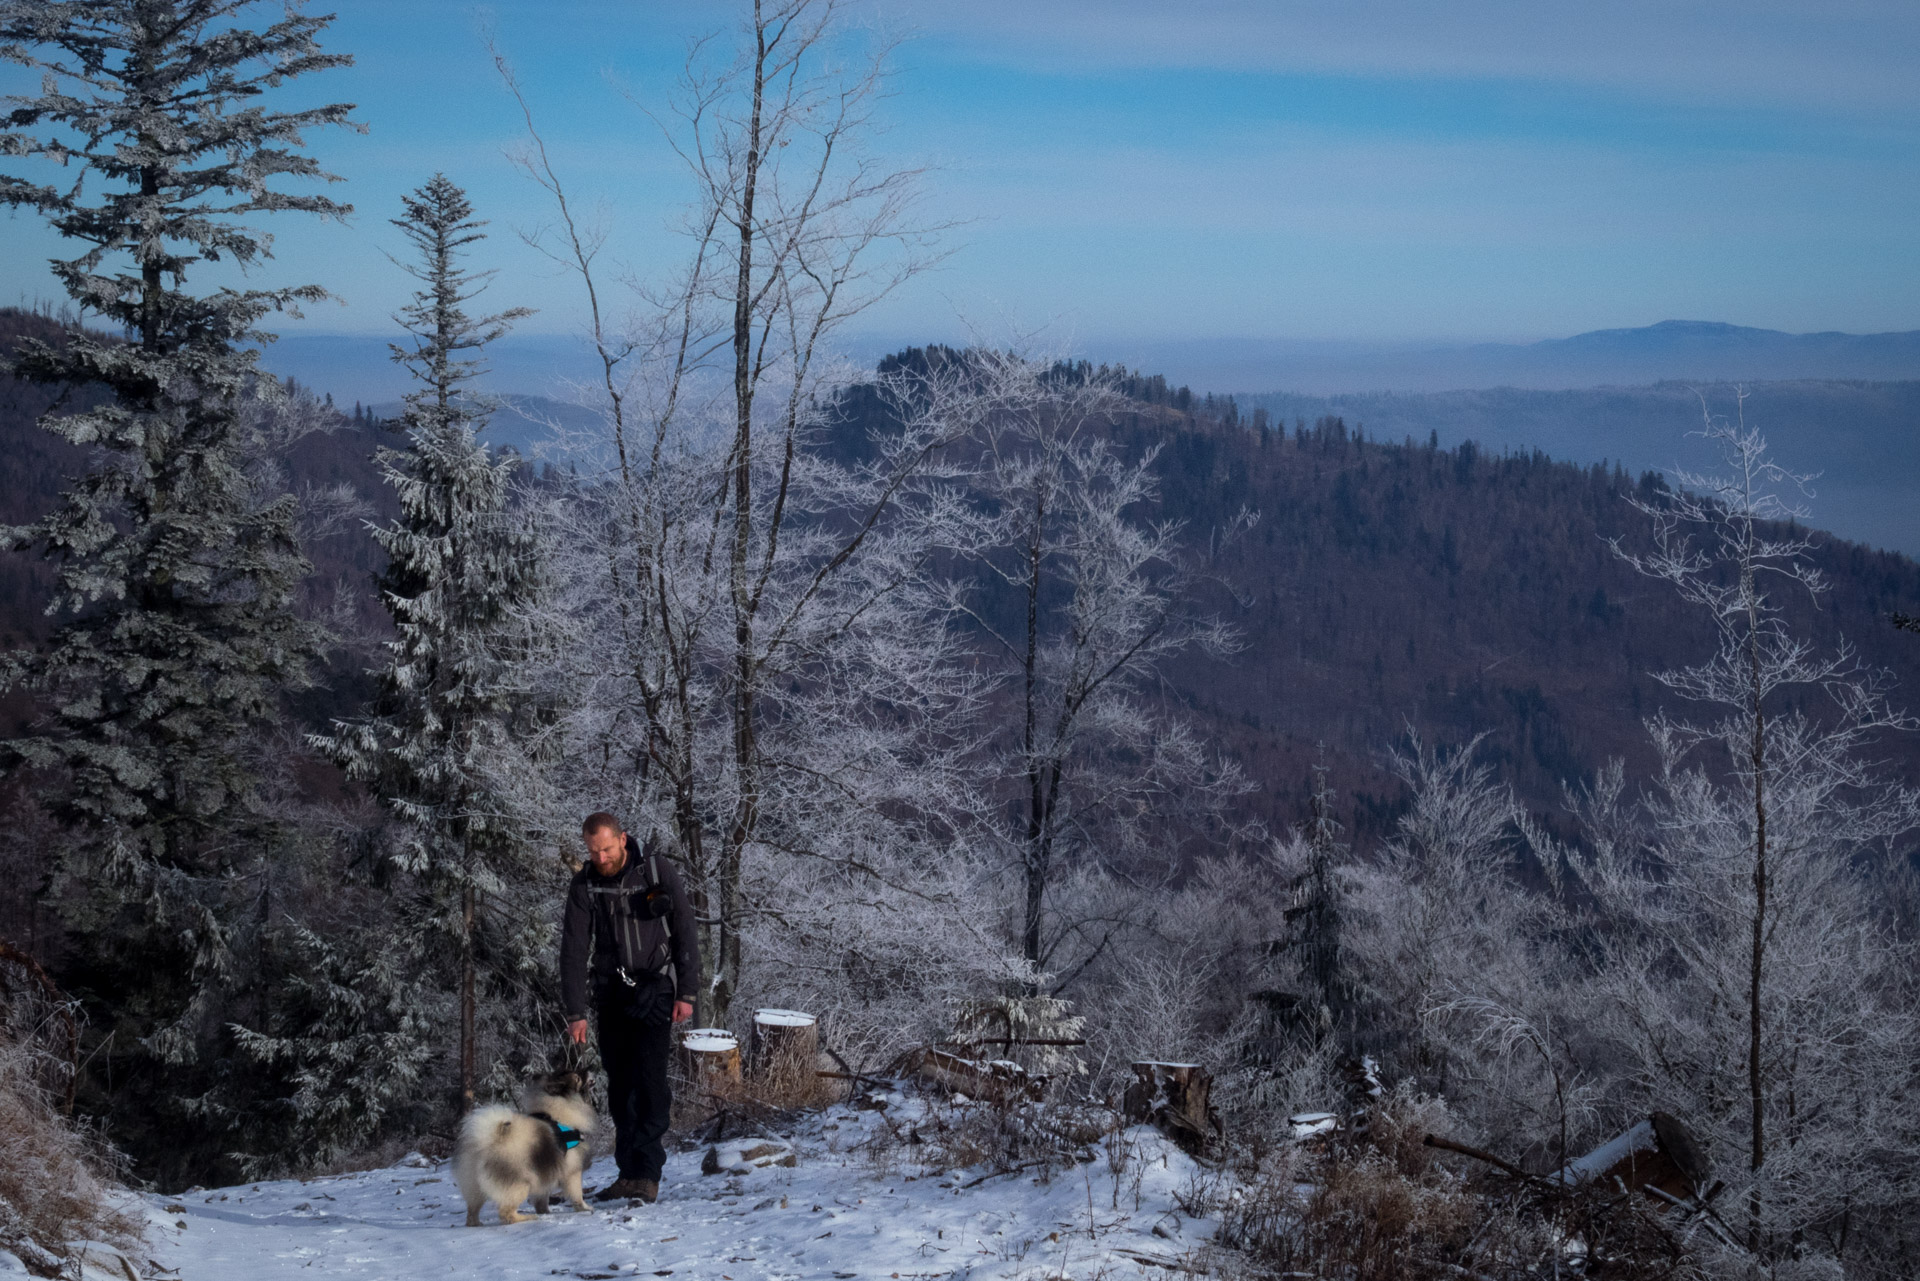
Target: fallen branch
<point>1479,1154</point>
<point>875,1081</point>
<point>1171,1265</point>
<point>1024,1165</point>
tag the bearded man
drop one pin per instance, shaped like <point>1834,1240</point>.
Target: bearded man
<point>628,952</point>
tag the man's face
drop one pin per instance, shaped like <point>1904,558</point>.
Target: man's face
<point>607,846</point>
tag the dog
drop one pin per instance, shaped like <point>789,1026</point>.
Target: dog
<point>505,1156</point>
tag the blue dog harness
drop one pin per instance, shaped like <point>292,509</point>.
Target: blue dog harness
<point>569,1137</point>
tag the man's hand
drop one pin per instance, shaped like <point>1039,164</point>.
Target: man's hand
<point>577,1031</point>
<point>682,1011</point>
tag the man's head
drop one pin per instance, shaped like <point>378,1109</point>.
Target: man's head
<point>606,842</point>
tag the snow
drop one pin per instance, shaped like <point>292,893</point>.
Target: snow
<point>783,1018</point>
<point>709,1040</point>
<point>1305,1125</point>
<point>840,1212</point>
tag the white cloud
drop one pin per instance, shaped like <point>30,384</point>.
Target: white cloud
<point>1845,54</point>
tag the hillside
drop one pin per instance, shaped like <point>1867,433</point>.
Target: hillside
<point>1861,438</point>
<point>1386,587</point>
<point>1391,586</point>
<point>1456,592</point>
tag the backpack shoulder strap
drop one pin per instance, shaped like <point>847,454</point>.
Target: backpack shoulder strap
<point>653,878</point>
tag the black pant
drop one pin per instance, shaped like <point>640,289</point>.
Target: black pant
<point>638,1094</point>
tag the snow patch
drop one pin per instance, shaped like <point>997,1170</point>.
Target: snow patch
<point>853,1205</point>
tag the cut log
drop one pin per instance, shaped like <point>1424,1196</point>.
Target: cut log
<point>1659,1152</point>
<point>996,1081</point>
<point>711,1057</point>
<point>785,1044</point>
<point>1174,1096</point>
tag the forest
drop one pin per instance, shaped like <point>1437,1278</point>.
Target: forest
<point>1517,800</point>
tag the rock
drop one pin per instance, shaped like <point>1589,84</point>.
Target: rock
<point>101,1262</point>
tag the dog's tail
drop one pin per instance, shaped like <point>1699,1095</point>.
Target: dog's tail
<point>486,1123</point>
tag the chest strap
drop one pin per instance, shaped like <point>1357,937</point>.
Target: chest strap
<point>569,1137</point>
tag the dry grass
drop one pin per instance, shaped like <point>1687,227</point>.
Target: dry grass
<point>56,1178</point>
<point>1380,1206</point>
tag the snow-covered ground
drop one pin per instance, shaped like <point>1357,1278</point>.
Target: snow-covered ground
<point>841,1212</point>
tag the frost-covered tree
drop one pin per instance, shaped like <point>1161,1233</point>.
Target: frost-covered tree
<point>1081,600</point>
<point>150,146</point>
<point>753,580</point>
<point>438,748</point>
<point>1750,972</point>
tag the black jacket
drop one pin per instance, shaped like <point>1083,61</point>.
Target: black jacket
<point>603,931</point>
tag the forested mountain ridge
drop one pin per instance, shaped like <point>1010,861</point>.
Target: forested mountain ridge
<point>1385,587</point>
<point>1858,438</point>
<point>1389,587</point>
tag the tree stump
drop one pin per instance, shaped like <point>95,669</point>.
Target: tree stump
<point>785,1042</point>
<point>1174,1096</point>
<point>785,1045</point>
<point>711,1056</point>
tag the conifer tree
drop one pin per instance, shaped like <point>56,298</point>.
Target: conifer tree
<point>458,570</point>
<point>147,144</point>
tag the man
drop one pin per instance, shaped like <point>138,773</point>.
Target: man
<point>628,920</point>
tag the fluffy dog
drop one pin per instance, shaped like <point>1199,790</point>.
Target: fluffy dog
<point>506,1156</point>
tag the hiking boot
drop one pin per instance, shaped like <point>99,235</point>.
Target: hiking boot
<point>628,1190</point>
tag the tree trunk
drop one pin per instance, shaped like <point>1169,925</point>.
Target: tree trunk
<point>467,997</point>
<point>1755,1095</point>
<point>745,710</point>
<point>1037,818</point>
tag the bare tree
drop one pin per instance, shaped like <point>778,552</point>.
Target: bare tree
<point>741,554</point>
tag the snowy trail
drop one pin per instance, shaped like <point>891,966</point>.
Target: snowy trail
<point>834,1215</point>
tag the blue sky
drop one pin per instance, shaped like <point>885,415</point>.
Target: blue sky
<point>1138,172</point>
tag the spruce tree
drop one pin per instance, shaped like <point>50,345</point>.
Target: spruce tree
<point>148,146</point>
<point>460,568</point>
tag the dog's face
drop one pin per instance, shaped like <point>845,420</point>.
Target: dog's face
<point>564,1085</point>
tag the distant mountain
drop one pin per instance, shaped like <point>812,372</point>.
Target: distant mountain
<point>1684,350</point>
<point>360,368</point>
<point>1705,351</point>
